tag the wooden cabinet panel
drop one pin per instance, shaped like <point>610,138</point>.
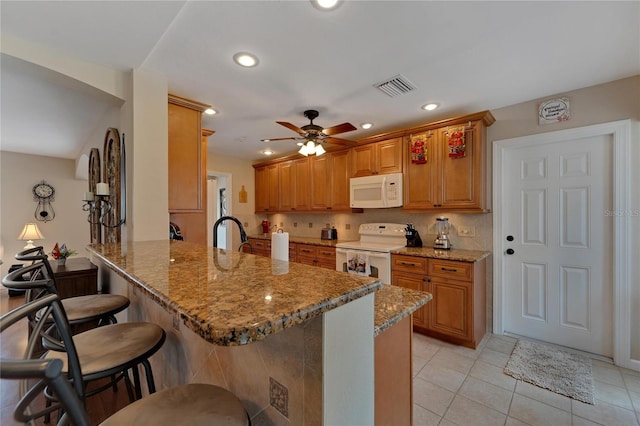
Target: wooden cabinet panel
<point>260,247</point>
<point>187,168</point>
<point>340,175</point>
<point>414,282</point>
<point>321,183</point>
<point>377,158</point>
<point>267,188</point>
<point>451,308</point>
<point>389,158</point>
<point>301,183</point>
<point>445,183</point>
<point>185,159</point>
<point>393,376</point>
<point>324,257</point>
<point>457,311</point>
<point>286,177</point>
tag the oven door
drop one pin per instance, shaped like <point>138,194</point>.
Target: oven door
<point>379,263</point>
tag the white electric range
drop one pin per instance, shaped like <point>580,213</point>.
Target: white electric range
<point>371,255</point>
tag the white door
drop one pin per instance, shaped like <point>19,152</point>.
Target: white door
<point>558,262</point>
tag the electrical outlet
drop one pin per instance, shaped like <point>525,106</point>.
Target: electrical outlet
<point>466,231</point>
<point>295,224</point>
<point>310,225</point>
<point>347,226</point>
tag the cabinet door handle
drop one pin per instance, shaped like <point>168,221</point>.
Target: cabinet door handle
<point>305,250</point>
<point>407,264</point>
<point>328,208</point>
<point>426,280</point>
<point>448,270</point>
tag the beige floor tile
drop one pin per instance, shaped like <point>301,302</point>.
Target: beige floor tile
<point>515,422</point>
<point>417,364</point>
<point>500,345</point>
<point>492,374</point>
<point>464,411</point>
<point>424,417</point>
<point>635,400</point>
<point>442,376</point>
<point>579,421</point>
<point>485,393</point>
<point>424,348</point>
<point>612,395</point>
<point>431,397</point>
<point>604,413</point>
<point>632,382</point>
<point>607,373</point>
<point>452,360</point>
<point>536,413</point>
<point>494,358</point>
<point>630,372</point>
<point>544,395</point>
<point>445,422</point>
<point>466,352</point>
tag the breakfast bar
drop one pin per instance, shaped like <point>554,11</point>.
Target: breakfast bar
<point>294,342</point>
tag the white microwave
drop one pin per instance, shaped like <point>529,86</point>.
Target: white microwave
<point>378,191</point>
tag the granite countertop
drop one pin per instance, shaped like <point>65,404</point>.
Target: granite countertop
<point>231,298</point>
<point>393,303</point>
<point>302,240</point>
<point>453,254</point>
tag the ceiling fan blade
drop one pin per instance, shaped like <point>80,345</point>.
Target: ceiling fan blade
<point>340,128</point>
<point>278,139</point>
<point>339,141</point>
<point>291,126</point>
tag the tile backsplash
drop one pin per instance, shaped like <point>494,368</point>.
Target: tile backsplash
<point>347,224</point>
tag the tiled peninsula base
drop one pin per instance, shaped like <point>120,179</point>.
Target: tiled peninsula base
<point>317,373</point>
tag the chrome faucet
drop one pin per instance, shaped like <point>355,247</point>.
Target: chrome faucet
<point>243,235</point>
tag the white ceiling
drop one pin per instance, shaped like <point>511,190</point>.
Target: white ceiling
<point>467,56</point>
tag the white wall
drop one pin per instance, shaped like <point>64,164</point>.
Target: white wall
<point>18,174</point>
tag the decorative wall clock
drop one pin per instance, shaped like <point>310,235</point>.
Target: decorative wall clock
<point>43,194</point>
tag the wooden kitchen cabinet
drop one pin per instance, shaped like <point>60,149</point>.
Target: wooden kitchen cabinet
<point>330,174</point>
<point>377,158</point>
<point>294,194</point>
<point>267,188</point>
<point>444,183</point>
<point>457,310</point>
<point>324,257</point>
<point>187,169</point>
<point>261,247</point>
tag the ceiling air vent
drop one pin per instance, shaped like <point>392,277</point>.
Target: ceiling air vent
<point>395,86</point>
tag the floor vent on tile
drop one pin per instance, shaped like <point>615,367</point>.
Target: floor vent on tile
<point>279,396</point>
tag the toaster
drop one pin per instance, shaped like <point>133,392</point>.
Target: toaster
<point>329,234</point>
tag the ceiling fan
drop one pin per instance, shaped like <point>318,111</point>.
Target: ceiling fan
<point>315,135</point>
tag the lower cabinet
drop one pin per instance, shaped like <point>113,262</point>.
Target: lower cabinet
<point>457,311</point>
<point>309,254</point>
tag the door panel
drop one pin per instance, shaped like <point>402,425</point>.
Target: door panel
<point>558,279</point>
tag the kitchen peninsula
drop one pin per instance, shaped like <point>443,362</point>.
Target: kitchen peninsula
<point>288,339</point>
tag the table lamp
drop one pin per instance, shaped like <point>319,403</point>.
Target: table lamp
<point>29,233</point>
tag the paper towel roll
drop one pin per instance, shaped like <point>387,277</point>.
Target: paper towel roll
<point>280,246</point>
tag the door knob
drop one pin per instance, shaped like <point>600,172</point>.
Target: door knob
<point>509,237</point>
<point>510,251</point>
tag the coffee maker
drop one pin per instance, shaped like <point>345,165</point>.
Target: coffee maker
<point>413,238</point>
<point>443,227</point>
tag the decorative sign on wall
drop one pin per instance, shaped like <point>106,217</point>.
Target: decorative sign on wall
<point>554,111</point>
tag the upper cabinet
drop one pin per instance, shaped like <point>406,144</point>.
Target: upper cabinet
<point>377,158</point>
<point>267,188</point>
<point>451,175</point>
<point>187,180</point>
<point>443,166</point>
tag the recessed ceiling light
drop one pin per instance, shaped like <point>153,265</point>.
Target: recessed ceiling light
<point>210,111</point>
<point>267,152</point>
<point>430,107</point>
<point>326,4</point>
<point>245,59</point>
<point>366,125</point>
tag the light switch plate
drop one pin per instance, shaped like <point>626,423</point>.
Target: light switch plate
<point>466,231</point>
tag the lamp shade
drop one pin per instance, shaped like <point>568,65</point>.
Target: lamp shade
<point>29,233</point>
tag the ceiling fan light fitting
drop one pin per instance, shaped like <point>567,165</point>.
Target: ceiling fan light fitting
<point>319,150</point>
<point>311,146</point>
<point>245,59</point>
<point>303,150</point>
